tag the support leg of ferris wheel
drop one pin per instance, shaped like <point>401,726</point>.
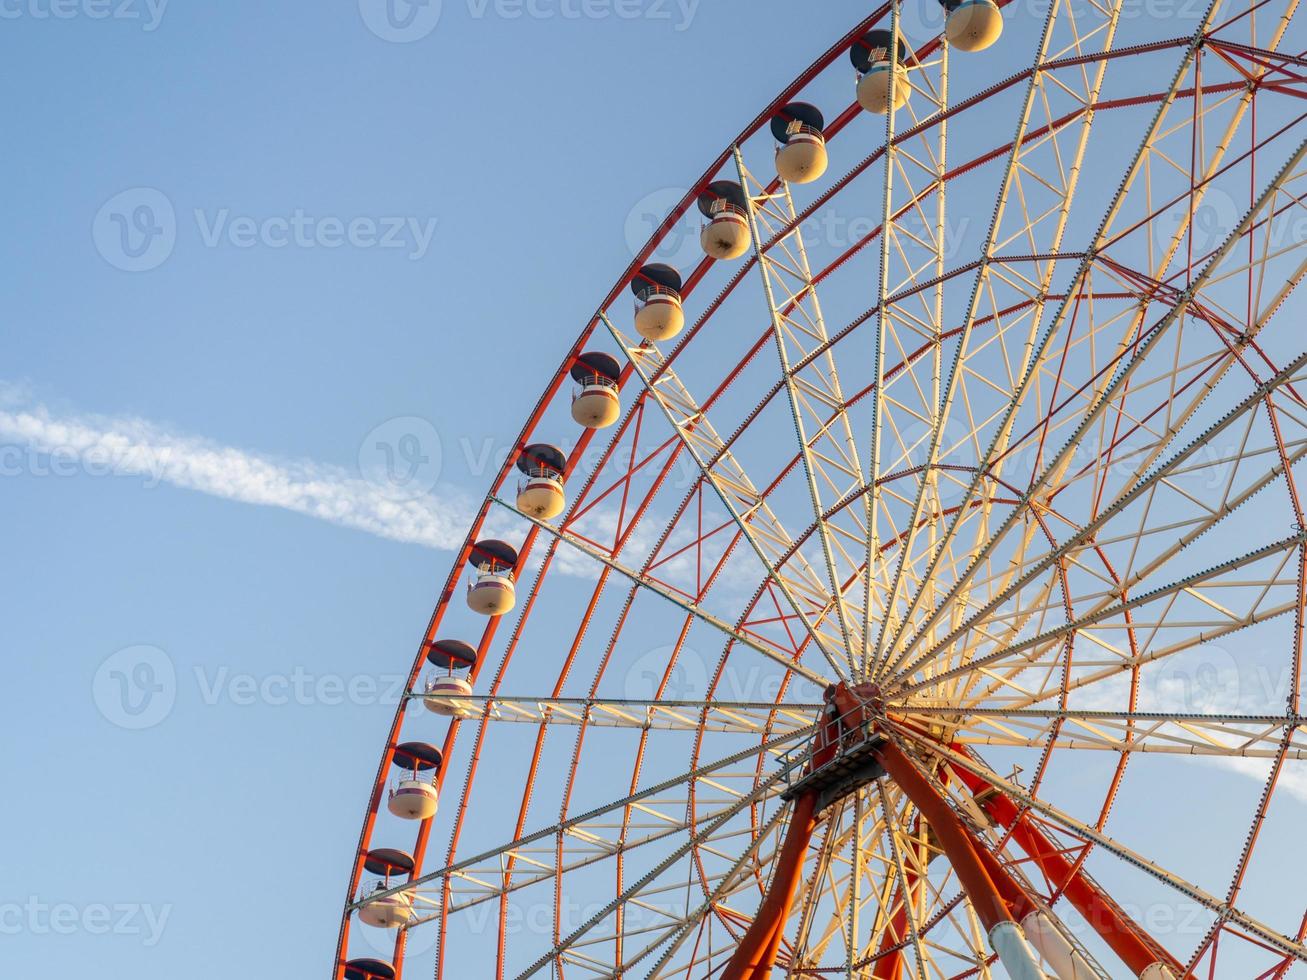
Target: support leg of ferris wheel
<point>984,881</point>
<point>1145,958</point>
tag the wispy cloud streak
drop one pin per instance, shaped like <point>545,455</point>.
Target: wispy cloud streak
<point>34,441</point>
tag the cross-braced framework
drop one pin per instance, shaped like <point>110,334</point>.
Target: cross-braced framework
<point>935,607</point>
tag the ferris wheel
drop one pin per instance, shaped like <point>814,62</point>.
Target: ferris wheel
<point>904,572</point>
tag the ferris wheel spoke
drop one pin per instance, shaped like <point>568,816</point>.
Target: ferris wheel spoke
<point>735,877</point>
<point>1101,402</point>
<point>782,657</point>
<point>912,247</point>
<point>1207,517</point>
<point>713,825</point>
<point>747,717</point>
<point>796,321</point>
<point>893,833</point>
<point>1025,654</point>
<point>477,886</point>
<point>821,885</point>
<point>832,893</point>
<point>1220,735</point>
<point>1032,206</point>
<point>1226,912</point>
<point>1045,356</point>
<point>576,826</point>
<point>746,505</point>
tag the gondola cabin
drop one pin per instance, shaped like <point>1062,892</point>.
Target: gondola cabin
<point>414,795</point>
<point>878,71</point>
<point>596,401</point>
<point>446,692</point>
<point>726,235</point>
<point>972,25</point>
<point>490,591</point>
<point>658,313</point>
<point>801,150</point>
<point>388,911</point>
<point>540,492</point>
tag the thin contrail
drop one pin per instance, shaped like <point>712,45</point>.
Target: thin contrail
<point>35,442</point>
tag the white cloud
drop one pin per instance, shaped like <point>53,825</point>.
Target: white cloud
<point>35,442</point>
<point>1292,779</point>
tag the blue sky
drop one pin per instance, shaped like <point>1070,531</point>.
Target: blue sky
<point>528,138</point>
<point>257,255</point>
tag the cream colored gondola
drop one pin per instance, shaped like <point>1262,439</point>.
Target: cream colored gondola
<point>491,591</point>
<point>726,235</point>
<point>446,694</point>
<point>658,313</point>
<point>972,25</point>
<point>414,795</point>
<point>387,911</point>
<point>801,155</point>
<point>540,490</point>
<point>596,401</point>
<point>872,57</point>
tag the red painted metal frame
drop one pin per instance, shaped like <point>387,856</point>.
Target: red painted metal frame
<point>1136,948</point>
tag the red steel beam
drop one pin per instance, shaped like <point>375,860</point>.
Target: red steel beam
<point>1126,938</point>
